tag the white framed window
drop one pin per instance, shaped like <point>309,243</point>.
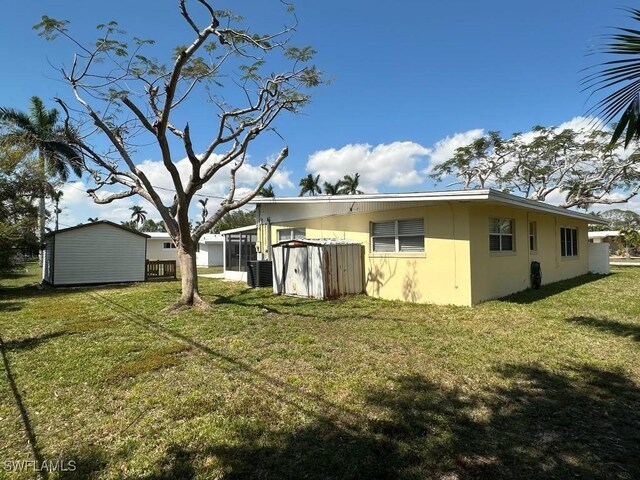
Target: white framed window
<point>533,236</point>
<point>290,234</point>
<point>168,245</point>
<point>568,242</point>
<point>398,236</point>
<point>501,235</point>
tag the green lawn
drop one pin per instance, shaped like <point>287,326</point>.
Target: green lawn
<point>545,384</point>
<point>209,269</point>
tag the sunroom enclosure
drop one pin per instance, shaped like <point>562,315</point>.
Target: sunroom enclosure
<point>239,248</point>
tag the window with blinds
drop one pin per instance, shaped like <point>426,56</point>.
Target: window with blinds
<point>501,235</point>
<point>398,236</point>
<point>290,234</point>
<point>569,242</point>
<point>533,236</point>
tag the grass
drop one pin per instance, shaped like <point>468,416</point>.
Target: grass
<point>543,384</point>
<point>625,259</point>
<point>209,269</point>
<point>22,276</point>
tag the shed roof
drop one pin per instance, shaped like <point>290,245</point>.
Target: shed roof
<point>317,242</point>
<point>486,195</point>
<point>92,224</point>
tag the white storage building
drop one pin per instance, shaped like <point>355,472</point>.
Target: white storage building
<point>94,253</point>
<point>210,249</point>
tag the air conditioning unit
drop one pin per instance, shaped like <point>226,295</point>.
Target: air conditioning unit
<point>259,273</point>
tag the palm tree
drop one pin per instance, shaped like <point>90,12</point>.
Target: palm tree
<point>310,185</point>
<point>623,69</point>
<point>349,185</point>
<point>92,219</point>
<point>38,132</point>
<point>332,188</point>
<point>138,214</point>
<point>205,212</point>
<point>267,192</point>
<point>629,239</point>
<point>56,196</point>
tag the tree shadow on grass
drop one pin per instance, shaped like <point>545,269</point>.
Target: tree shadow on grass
<point>266,384</point>
<point>32,342</point>
<point>22,409</point>
<point>574,422</point>
<point>581,424</point>
<point>550,289</point>
<point>177,464</point>
<point>322,310</point>
<point>88,462</point>
<point>15,298</point>
<point>11,306</point>
<point>616,327</point>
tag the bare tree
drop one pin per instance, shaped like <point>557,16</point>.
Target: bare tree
<point>123,95</point>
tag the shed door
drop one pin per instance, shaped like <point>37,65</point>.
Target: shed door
<point>297,267</point>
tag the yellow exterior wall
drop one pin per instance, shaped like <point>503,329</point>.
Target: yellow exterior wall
<point>439,275</point>
<point>496,274</point>
<point>457,266</point>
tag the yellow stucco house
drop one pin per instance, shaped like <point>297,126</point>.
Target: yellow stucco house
<point>451,247</point>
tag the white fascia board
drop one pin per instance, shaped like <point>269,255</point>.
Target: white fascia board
<point>442,196</point>
<point>379,197</point>
<point>239,229</point>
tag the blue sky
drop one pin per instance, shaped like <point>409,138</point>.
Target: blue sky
<point>411,80</point>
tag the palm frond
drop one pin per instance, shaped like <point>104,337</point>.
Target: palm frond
<point>624,75</point>
<point>61,152</point>
<point>16,120</point>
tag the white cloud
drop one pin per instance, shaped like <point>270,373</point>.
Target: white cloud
<point>580,123</point>
<point>77,206</point>
<point>394,164</point>
<point>444,149</point>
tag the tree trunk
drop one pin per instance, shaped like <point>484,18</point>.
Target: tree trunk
<point>189,273</point>
<point>42,207</point>
<point>41,221</point>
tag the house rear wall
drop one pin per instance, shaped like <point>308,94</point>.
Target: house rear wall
<point>457,266</point>
<point>210,255</point>
<point>439,275</point>
<point>156,250</point>
<point>496,274</point>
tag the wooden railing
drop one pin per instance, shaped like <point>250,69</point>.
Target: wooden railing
<point>161,270</point>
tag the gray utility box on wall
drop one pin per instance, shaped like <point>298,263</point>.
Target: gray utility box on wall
<point>320,268</point>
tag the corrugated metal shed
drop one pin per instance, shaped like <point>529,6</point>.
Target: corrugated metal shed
<point>320,268</point>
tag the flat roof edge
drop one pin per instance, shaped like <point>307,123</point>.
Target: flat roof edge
<point>447,195</point>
